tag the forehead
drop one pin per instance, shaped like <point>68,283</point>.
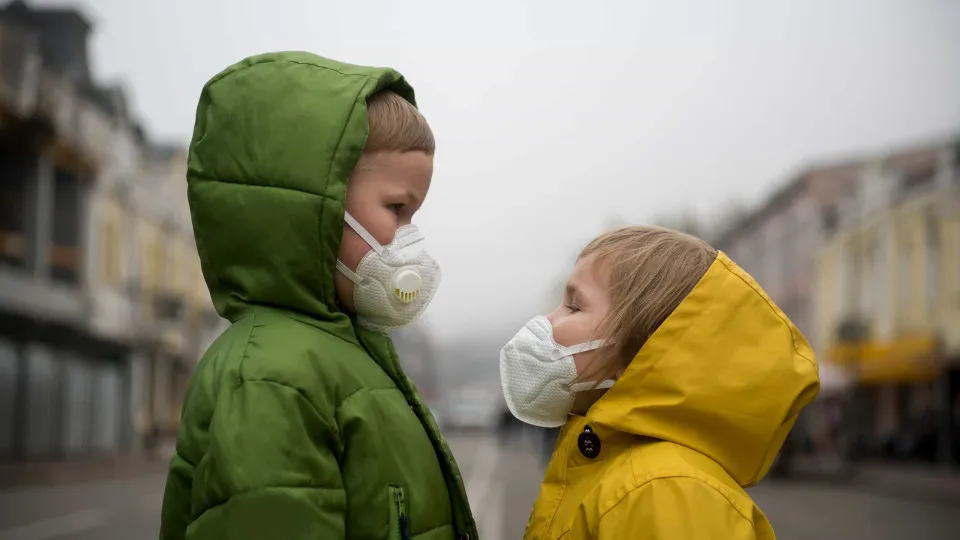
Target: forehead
<point>397,171</point>
<point>589,274</point>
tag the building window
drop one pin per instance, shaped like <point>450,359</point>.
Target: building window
<point>13,210</point>
<point>917,178</point>
<point>64,251</point>
<point>829,220</point>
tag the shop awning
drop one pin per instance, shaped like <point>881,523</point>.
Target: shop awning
<point>913,358</point>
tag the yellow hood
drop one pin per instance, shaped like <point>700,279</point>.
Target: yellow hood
<point>725,375</point>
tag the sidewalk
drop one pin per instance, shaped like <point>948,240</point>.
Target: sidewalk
<point>913,481</point>
<point>902,480</point>
<point>48,473</point>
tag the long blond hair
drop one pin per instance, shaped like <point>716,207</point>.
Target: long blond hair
<point>652,269</point>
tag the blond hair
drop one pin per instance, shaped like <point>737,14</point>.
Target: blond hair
<point>396,126</point>
<point>652,269</point>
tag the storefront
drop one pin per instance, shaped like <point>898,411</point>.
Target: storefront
<point>61,400</point>
<point>901,406</point>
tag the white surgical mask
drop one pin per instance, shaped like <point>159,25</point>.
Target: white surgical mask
<point>537,375</point>
<point>393,284</point>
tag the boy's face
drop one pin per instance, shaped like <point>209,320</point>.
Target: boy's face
<point>386,189</point>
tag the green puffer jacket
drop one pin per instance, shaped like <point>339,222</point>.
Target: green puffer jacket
<point>298,424</point>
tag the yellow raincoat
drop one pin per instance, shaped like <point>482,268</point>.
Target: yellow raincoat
<point>700,413</point>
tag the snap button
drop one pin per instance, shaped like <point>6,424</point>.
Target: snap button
<point>588,443</point>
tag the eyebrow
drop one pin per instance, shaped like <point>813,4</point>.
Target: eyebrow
<point>414,196</point>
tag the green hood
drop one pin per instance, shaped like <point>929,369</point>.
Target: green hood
<point>276,139</point>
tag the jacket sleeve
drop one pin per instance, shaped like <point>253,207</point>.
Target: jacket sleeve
<point>677,508</point>
<point>271,469</point>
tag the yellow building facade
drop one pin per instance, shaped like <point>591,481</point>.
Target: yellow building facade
<point>888,300</point>
<point>895,272</point>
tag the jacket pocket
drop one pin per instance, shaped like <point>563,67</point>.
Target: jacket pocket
<point>399,520</point>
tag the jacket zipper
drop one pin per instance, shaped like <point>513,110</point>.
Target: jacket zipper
<point>400,510</point>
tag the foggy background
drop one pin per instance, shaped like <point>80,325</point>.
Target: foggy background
<point>554,122</point>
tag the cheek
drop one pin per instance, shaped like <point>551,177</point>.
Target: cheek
<point>583,360</point>
<point>352,249</point>
<point>569,330</point>
<point>344,289</point>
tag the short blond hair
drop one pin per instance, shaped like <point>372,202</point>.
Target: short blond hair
<point>396,126</point>
<point>652,269</point>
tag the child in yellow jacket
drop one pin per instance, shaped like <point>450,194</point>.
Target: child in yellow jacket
<point>676,380</point>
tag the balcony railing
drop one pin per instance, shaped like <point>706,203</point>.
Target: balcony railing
<point>27,89</point>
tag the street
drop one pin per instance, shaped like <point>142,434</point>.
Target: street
<point>502,481</point>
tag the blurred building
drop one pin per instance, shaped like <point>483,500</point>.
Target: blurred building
<point>778,243</point>
<point>102,306</point>
<point>889,302</point>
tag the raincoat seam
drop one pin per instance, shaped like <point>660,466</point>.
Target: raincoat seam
<point>344,401</point>
<point>347,398</point>
<point>240,69</point>
<point>299,392</point>
<point>244,355</point>
<point>313,406</point>
<point>204,178</point>
<point>776,311</point>
<point>250,491</point>
<point>435,527</point>
<point>343,131</point>
<point>563,487</point>
<point>326,179</point>
<point>650,481</point>
<point>287,314</point>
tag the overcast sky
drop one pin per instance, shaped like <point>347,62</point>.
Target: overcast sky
<point>552,117</point>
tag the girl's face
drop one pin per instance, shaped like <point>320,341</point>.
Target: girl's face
<point>586,301</point>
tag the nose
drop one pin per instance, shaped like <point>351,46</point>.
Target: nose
<point>553,315</point>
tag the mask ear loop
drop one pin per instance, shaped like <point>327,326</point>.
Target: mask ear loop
<point>584,347</point>
<point>584,386</point>
<point>367,237</point>
<point>577,349</point>
<point>350,274</point>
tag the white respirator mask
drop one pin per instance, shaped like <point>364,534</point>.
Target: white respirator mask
<point>538,375</point>
<point>393,284</point>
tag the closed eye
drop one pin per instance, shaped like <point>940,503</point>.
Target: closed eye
<point>396,208</point>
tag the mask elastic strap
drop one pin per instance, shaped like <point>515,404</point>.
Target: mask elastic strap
<point>583,347</point>
<point>584,386</point>
<point>350,274</point>
<point>367,237</point>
